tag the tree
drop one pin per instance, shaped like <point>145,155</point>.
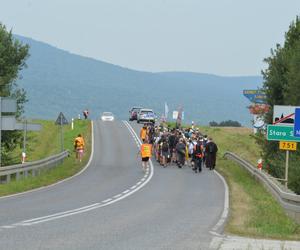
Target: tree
<point>228,123</point>
<point>13,55</point>
<point>281,85</point>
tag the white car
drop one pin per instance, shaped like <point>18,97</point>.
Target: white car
<point>107,116</point>
<point>146,115</point>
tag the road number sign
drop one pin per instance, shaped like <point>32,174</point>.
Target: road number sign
<point>288,145</point>
<point>281,133</point>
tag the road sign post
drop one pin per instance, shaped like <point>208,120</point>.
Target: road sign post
<point>61,120</point>
<point>7,105</point>
<point>9,122</point>
<point>286,130</point>
<point>285,145</point>
<point>287,141</point>
<point>287,167</point>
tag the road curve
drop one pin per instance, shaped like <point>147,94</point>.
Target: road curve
<point>115,205</point>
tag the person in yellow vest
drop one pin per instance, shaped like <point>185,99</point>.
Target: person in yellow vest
<point>144,133</point>
<point>146,153</point>
<point>79,147</point>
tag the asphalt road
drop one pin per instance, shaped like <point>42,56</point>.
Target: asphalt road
<point>113,204</point>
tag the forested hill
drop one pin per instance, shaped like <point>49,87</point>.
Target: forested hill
<point>57,80</point>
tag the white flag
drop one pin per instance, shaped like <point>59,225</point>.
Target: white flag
<point>166,110</point>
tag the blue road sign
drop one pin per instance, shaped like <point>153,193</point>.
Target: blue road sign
<point>255,96</point>
<point>297,123</point>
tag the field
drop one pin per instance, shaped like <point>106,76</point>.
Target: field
<point>253,211</point>
<point>45,143</point>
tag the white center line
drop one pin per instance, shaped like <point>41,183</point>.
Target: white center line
<point>84,209</point>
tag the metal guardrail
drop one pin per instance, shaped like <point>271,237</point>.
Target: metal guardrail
<point>34,168</point>
<point>287,198</point>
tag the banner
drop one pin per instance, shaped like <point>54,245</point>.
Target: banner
<point>166,110</point>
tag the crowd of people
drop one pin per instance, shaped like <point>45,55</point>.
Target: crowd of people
<point>177,147</point>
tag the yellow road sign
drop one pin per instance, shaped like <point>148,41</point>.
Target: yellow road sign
<point>288,145</point>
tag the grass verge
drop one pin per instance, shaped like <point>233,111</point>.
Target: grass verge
<point>253,210</point>
<point>45,143</point>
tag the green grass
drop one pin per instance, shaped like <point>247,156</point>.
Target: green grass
<point>45,143</point>
<point>253,210</point>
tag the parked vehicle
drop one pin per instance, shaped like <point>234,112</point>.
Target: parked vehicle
<point>146,115</point>
<point>133,113</point>
<point>107,116</point>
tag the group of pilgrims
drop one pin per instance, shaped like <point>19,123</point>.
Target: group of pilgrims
<point>184,146</point>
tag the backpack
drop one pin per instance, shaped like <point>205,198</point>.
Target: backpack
<point>198,150</point>
<point>165,146</point>
<point>78,143</point>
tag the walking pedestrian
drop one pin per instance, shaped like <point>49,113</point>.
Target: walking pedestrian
<point>86,113</point>
<point>144,133</point>
<point>180,151</point>
<point>79,147</point>
<point>211,150</point>
<point>164,152</point>
<point>197,156</point>
<point>146,153</point>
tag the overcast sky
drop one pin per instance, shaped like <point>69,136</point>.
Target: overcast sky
<point>225,37</point>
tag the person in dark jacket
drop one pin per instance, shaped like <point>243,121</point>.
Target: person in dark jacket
<point>180,151</point>
<point>211,150</point>
<point>197,156</point>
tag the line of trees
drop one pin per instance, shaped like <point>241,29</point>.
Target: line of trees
<point>282,87</point>
<point>13,55</point>
<point>228,123</point>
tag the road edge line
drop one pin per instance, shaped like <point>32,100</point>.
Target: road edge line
<point>225,213</point>
<point>61,181</point>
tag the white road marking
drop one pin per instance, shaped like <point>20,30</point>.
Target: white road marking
<point>133,187</point>
<point>7,227</point>
<point>108,200</point>
<point>61,213</point>
<point>84,209</point>
<point>67,179</point>
<point>226,206</point>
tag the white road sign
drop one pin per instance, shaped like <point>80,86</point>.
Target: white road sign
<point>8,122</point>
<point>175,115</point>
<point>284,115</point>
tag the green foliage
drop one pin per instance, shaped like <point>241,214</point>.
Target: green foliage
<point>281,85</point>
<point>46,143</point>
<point>253,211</point>
<point>12,59</point>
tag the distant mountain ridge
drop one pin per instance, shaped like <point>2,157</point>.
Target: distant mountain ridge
<point>57,80</point>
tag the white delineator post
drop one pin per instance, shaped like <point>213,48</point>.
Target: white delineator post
<point>72,124</point>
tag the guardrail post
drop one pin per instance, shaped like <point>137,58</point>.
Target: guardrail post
<point>17,176</point>
<point>7,178</point>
